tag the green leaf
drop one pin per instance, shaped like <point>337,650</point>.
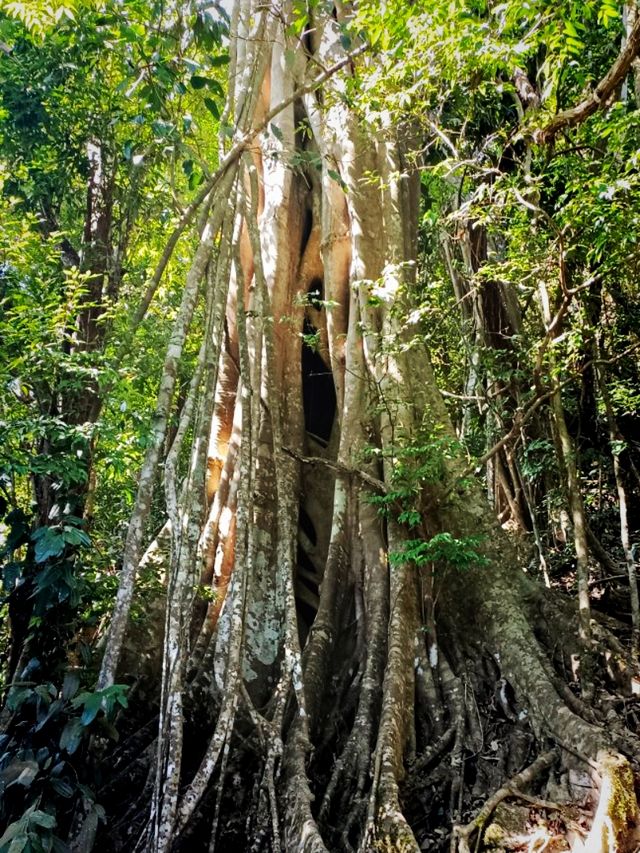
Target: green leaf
<point>70,685</point>
<point>211,105</point>
<point>410,518</point>
<point>18,844</point>
<point>215,87</point>
<point>337,178</point>
<point>11,831</point>
<point>71,736</point>
<point>276,131</point>
<point>73,536</point>
<point>91,708</point>
<point>570,29</point>
<point>10,574</point>
<point>195,179</point>
<point>199,82</point>
<point>28,774</point>
<point>18,696</point>
<point>40,818</point>
<point>53,711</point>
<point>62,788</point>
<point>162,129</point>
<point>49,543</point>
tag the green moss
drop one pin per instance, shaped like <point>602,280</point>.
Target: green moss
<point>494,835</point>
<point>401,842</point>
<point>622,805</point>
<point>618,808</point>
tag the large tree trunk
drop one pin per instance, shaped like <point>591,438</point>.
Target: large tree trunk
<point>308,708</point>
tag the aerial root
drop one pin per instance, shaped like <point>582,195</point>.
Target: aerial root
<point>275,755</point>
<point>271,746</point>
<point>386,828</point>
<point>453,688</point>
<point>358,810</point>
<point>462,835</point>
<point>392,833</point>
<point>351,774</point>
<point>219,792</point>
<point>301,831</point>
<point>352,764</point>
<point>432,752</point>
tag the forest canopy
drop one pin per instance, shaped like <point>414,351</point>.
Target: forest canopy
<point>319,426</point>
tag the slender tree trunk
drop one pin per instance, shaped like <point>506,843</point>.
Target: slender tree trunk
<point>616,443</point>
<point>578,518</point>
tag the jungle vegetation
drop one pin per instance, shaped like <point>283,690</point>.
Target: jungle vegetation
<point>319,425</point>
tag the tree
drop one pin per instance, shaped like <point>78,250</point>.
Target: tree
<point>343,507</point>
<point>351,655</point>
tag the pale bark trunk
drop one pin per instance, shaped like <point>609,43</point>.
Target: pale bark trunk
<point>578,518</point>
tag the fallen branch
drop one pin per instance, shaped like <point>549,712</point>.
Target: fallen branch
<point>463,834</point>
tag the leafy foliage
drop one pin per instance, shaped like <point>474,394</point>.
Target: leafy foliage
<point>44,775</point>
<point>442,549</point>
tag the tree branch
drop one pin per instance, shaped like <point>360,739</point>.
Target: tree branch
<point>375,484</point>
<point>598,98</point>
